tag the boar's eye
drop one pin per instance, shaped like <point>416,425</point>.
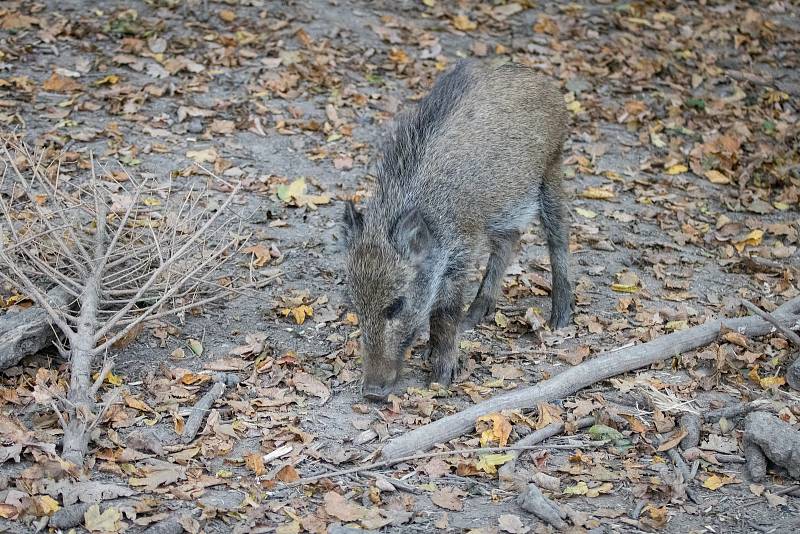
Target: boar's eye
<point>394,308</point>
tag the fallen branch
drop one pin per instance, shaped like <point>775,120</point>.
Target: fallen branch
<point>568,382</point>
<point>793,370</point>
<point>200,410</point>
<point>506,472</point>
<point>420,456</point>
<point>29,331</point>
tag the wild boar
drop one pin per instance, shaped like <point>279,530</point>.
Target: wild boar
<point>465,171</point>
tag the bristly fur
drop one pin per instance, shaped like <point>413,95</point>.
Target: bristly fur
<point>469,168</point>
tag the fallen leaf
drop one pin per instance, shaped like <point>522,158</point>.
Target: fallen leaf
<point>490,462</point>
<point>753,239</point>
<point>499,431</point>
<point>108,521</point>
<point>61,84</point>
<point>206,155</point>
<point>512,523</point>
<point>312,385</point>
<point>342,509</point>
<point>463,23</point>
<point>627,282</point>
<point>595,193</point>
<point>716,177</point>
<point>714,482</point>
<point>449,498</point>
<point>677,169</point>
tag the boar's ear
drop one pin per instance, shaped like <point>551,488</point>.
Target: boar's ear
<point>411,234</point>
<point>353,221</point>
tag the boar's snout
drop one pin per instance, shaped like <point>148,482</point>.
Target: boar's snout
<point>379,382</point>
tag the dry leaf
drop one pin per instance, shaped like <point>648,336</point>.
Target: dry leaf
<point>342,509</point>
<point>312,385</point>
<point>449,498</point>
<point>498,432</point>
<point>108,521</point>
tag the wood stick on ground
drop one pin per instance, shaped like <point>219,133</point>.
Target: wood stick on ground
<point>782,328</point>
<point>793,370</point>
<point>29,331</point>
<point>420,456</point>
<point>506,472</point>
<point>200,410</point>
<point>585,374</point>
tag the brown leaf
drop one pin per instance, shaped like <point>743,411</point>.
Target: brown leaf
<point>342,509</point>
<point>449,498</point>
<point>255,461</point>
<point>61,84</point>
<point>287,474</point>
<point>310,384</point>
<point>436,467</point>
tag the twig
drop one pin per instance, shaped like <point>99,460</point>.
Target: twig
<point>507,470</point>
<point>395,461</point>
<point>785,330</point>
<point>199,411</point>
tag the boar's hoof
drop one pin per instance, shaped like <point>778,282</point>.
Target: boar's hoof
<point>560,319</point>
<point>444,368</point>
<point>376,393</point>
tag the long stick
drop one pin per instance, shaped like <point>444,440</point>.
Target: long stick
<point>394,461</point>
<point>785,330</point>
<point>568,382</point>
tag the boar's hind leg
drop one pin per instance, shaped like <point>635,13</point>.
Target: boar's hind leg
<point>502,249</point>
<point>556,227</point>
<point>444,321</point>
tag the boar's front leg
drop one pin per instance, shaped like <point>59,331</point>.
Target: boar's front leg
<point>502,246</point>
<point>444,320</point>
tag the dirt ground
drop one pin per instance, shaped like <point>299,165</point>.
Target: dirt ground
<point>683,177</point>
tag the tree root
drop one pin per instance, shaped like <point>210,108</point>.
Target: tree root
<point>768,438</point>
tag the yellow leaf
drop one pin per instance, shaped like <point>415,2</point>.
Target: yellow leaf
<point>152,201</point>
<point>114,380</point>
<point>714,482</point>
<point>489,462</point>
<point>595,193</point>
<point>677,169</point>
<point>8,511</point>
<point>716,177</point>
<point>772,382</point>
<point>227,15</point>
<point>462,22</point>
<point>301,312</point>
<point>108,521</point>
<point>499,431</point>
<point>207,155</point>
<point>574,107</point>
<point>753,239</point>
<point>578,489</point>
<point>136,404</point>
<point>500,319</point>
<point>111,79</point>
<point>627,282</point>
<point>589,214</point>
<point>429,3</point>
<point>46,505</point>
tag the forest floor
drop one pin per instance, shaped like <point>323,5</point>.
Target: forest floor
<point>683,174</point>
